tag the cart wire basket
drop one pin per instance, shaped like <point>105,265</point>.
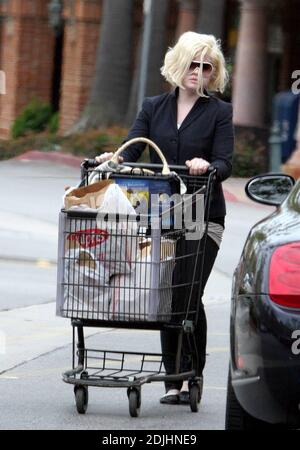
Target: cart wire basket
<point>125,272</point>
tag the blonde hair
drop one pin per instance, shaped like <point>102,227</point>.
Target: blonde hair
<point>178,59</point>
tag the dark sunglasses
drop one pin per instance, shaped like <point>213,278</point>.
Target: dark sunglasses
<point>207,66</point>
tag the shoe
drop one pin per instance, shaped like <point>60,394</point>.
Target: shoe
<point>184,395</point>
<point>170,398</point>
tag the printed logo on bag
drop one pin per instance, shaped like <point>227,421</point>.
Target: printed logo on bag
<point>89,238</point>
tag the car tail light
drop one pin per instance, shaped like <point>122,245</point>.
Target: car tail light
<point>284,275</point>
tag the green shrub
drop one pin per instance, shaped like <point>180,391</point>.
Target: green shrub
<point>250,155</point>
<point>53,123</point>
<point>33,118</point>
<point>87,144</point>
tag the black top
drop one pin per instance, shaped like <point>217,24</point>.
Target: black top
<point>206,132</point>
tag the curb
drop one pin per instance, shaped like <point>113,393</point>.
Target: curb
<point>56,157</point>
<point>41,262</point>
<point>229,197</point>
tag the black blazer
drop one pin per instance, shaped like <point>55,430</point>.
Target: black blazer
<point>206,132</point>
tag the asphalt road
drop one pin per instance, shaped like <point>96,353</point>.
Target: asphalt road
<point>35,347</point>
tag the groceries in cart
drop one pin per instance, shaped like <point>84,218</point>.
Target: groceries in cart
<point>109,272</point>
<point>150,192</point>
<point>85,197</point>
<point>153,304</point>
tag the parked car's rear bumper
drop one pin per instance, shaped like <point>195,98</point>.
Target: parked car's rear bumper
<point>264,366</point>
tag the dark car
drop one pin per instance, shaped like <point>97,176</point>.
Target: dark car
<point>264,371</point>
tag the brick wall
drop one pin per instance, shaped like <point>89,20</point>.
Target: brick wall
<point>27,47</point>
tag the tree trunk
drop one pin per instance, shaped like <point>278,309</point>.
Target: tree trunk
<point>156,56</point>
<point>109,95</point>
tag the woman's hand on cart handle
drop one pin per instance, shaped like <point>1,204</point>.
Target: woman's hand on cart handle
<point>197,166</point>
<point>106,157</point>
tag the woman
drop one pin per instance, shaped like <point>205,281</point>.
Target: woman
<point>194,128</point>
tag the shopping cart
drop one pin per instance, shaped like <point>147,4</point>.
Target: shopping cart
<point>142,297</point>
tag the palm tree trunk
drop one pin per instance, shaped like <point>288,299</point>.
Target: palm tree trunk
<point>109,95</point>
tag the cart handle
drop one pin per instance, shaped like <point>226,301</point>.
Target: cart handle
<point>165,169</point>
<point>91,163</point>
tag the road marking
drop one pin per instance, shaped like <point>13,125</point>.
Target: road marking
<point>38,336</point>
<point>2,377</point>
<point>35,373</point>
<point>44,263</point>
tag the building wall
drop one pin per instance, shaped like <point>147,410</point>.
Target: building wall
<point>27,44</point>
<point>27,51</point>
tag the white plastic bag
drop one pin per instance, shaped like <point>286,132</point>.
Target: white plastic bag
<point>87,292</point>
<point>119,251</point>
<point>140,295</point>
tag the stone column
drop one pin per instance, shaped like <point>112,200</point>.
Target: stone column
<point>79,57</point>
<point>187,16</point>
<point>27,49</point>
<point>211,18</point>
<point>249,83</point>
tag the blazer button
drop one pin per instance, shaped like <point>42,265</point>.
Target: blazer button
<point>173,141</point>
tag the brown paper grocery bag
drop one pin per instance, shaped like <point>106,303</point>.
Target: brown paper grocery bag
<point>91,195</point>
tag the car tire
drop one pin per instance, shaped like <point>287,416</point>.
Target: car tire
<point>236,417</point>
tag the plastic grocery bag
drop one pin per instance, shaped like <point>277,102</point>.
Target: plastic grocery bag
<point>116,202</point>
<point>110,241</point>
<point>141,295</point>
<point>118,218</point>
<point>87,292</point>
<point>94,250</point>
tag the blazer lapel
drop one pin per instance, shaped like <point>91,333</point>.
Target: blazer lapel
<point>196,111</point>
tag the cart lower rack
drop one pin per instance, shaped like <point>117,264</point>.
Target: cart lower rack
<point>113,369</point>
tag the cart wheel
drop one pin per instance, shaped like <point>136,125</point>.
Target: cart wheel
<point>195,397</point>
<point>134,402</point>
<point>81,398</point>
